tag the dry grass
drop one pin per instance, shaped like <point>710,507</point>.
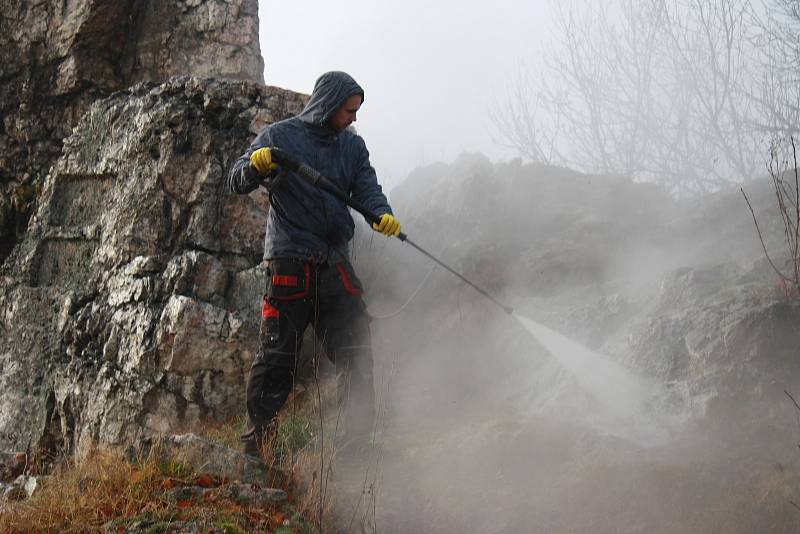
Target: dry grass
<point>304,447</point>
<point>223,432</point>
<point>81,498</point>
<point>106,493</point>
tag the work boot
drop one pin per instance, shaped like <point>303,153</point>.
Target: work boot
<point>254,440</point>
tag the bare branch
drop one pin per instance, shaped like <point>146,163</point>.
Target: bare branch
<point>682,92</point>
<point>761,238</point>
<point>792,399</point>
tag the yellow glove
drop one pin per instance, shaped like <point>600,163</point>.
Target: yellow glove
<point>262,160</point>
<point>388,225</point>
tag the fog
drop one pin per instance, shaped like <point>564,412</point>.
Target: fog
<point>639,387</point>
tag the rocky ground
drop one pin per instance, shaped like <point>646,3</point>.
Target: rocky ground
<point>179,484</point>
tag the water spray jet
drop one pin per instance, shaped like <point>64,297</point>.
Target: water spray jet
<point>624,394</point>
<point>318,180</point>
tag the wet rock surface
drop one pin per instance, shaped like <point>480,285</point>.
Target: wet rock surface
<point>131,305</point>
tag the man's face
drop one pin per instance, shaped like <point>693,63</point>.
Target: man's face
<point>346,114</point>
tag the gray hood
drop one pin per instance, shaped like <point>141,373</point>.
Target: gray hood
<point>330,92</point>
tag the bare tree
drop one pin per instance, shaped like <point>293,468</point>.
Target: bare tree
<point>786,182</point>
<point>713,43</point>
<point>683,92</point>
<point>528,121</point>
<point>780,95</point>
<point>586,107</point>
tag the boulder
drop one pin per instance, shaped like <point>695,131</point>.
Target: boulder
<point>21,488</point>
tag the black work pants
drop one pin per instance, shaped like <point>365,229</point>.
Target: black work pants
<point>327,296</point>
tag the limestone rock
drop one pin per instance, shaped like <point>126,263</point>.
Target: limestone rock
<point>131,306</point>
<point>22,488</point>
<point>238,492</point>
<point>58,57</point>
<point>185,493</point>
<point>719,336</point>
<point>13,464</point>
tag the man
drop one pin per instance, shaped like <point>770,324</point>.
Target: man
<point>309,277</point>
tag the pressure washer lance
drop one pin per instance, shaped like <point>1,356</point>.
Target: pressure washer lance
<point>318,180</point>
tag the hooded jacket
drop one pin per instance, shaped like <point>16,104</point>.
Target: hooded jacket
<point>304,221</point>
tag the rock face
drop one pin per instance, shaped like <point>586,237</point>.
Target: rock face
<point>56,58</point>
<point>130,308</point>
<point>676,293</point>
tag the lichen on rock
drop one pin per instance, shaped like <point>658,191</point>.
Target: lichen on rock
<point>57,58</point>
<point>130,308</point>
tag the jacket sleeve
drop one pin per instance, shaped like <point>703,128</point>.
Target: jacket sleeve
<point>366,189</point>
<point>242,178</point>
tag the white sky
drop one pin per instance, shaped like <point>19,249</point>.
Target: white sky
<point>430,69</point>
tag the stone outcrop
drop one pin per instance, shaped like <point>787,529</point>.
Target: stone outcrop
<point>58,57</point>
<point>130,308</point>
<point>677,291</point>
<point>721,335</point>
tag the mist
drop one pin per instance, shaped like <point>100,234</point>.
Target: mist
<point>430,71</point>
<point>638,387</point>
<point>641,384</point>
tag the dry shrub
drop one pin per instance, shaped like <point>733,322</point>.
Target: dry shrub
<point>82,497</point>
<point>106,493</point>
<point>783,171</point>
<point>303,447</point>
